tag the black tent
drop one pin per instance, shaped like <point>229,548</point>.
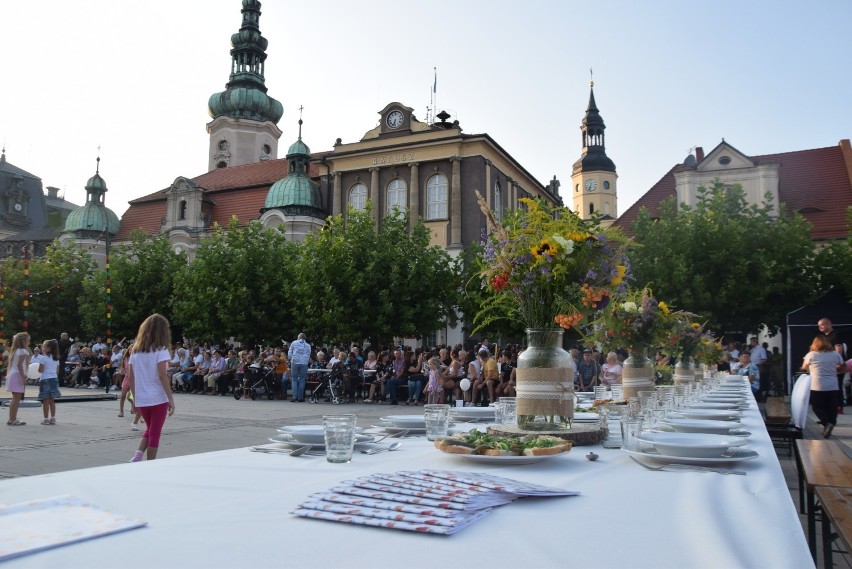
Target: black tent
<point>802,325</point>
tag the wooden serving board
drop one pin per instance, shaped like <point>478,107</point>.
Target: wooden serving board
<point>581,434</point>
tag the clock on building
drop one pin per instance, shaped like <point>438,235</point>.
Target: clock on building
<point>591,185</point>
<point>394,119</point>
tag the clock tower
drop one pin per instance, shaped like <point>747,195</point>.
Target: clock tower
<point>593,177</point>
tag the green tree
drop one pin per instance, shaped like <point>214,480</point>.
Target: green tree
<point>358,283</point>
<point>238,286</point>
<point>737,265</point>
<point>833,263</point>
<point>55,283</point>
<point>142,274</point>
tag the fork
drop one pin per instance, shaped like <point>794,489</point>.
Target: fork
<point>688,467</point>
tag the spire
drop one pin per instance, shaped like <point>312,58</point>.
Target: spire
<point>594,148</point>
<point>245,94</point>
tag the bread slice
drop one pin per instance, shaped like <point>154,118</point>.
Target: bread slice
<point>452,447</point>
<point>546,451</point>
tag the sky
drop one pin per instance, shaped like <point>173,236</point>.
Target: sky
<point>133,77</point>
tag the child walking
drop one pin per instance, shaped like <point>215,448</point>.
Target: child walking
<point>147,372</point>
<point>435,387</point>
<point>16,375</point>
<point>48,387</point>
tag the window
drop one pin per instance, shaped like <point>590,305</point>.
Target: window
<point>436,197</point>
<point>591,208</point>
<point>182,210</point>
<point>358,197</point>
<point>396,195</point>
<point>606,185</point>
<point>497,202</point>
<point>221,165</point>
<point>267,149</point>
<point>577,187</point>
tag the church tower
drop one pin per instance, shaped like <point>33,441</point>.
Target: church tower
<point>243,129</point>
<point>593,177</point>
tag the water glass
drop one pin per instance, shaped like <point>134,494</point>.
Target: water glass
<point>437,419</point>
<point>647,400</point>
<point>617,392</point>
<point>630,429</point>
<point>339,433</point>
<point>611,416</point>
<point>509,410</point>
<point>601,393</point>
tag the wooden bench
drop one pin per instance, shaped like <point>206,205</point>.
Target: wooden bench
<point>820,462</point>
<point>779,424</point>
<point>836,504</point>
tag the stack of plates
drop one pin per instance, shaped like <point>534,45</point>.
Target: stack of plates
<point>706,426</point>
<point>485,414</point>
<point>692,445</point>
<point>396,423</point>
<point>712,414</point>
<point>295,436</point>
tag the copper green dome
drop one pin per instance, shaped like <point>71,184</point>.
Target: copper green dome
<point>295,191</point>
<point>298,148</point>
<point>91,219</point>
<point>245,94</point>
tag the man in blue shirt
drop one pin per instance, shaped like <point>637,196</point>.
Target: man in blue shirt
<point>299,355</point>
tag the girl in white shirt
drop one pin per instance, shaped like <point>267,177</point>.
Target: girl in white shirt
<point>48,386</point>
<point>149,381</point>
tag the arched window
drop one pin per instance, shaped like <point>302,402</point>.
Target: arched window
<point>591,208</point>
<point>358,197</point>
<point>436,197</point>
<point>396,195</point>
<point>606,185</point>
<point>497,202</point>
<point>182,210</point>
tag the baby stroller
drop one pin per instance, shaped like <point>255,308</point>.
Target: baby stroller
<point>332,382</point>
<point>258,380</point>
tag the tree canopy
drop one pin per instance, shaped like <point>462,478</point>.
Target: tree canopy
<point>737,265</point>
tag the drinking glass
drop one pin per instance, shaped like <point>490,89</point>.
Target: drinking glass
<point>647,400</point>
<point>601,393</point>
<point>611,416</point>
<point>617,392</point>
<point>437,419</point>
<point>509,410</point>
<point>339,433</point>
<point>630,429</point>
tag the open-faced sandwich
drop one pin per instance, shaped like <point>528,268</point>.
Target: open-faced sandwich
<point>476,442</point>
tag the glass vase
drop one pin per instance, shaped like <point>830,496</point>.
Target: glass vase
<point>684,372</point>
<point>545,382</point>
<point>637,373</point>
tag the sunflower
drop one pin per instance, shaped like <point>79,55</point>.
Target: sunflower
<point>546,246</point>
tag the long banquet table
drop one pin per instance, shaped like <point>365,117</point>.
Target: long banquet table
<point>231,509</point>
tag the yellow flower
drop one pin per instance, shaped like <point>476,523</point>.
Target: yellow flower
<point>545,246</point>
<point>620,270</point>
<point>663,307</point>
<point>696,326</point>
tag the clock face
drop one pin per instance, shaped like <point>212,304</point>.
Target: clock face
<point>394,119</point>
<point>18,207</point>
<point>591,185</point>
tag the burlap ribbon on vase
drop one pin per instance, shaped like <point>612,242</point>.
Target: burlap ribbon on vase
<point>636,379</point>
<point>545,391</point>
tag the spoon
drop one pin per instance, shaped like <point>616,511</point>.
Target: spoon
<point>392,446</point>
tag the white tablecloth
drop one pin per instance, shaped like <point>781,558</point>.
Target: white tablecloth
<point>231,509</point>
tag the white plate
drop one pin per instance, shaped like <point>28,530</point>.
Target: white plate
<point>305,434</point>
<point>392,429</point>
<point>692,445</point>
<point>737,455</point>
<point>405,421</point>
<point>586,417</point>
<point>716,415</point>
<point>470,413</point>
<point>702,426</point>
<point>725,398</point>
<point>504,460</point>
<point>288,440</point>
<point>712,405</point>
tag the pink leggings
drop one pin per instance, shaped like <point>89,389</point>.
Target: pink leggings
<point>155,418</point>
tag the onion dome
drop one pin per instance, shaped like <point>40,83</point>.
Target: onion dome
<point>94,217</point>
<point>296,193</point>
<point>245,94</point>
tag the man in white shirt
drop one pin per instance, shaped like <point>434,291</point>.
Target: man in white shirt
<point>758,357</point>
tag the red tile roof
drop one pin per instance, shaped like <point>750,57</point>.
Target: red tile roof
<point>239,190</point>
<point>817,183</point>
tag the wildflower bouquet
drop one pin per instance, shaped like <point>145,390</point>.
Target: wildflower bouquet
<point>547,266</point>
<point>637,321</point>
<point>684,337</point>
<point>710,350</point>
